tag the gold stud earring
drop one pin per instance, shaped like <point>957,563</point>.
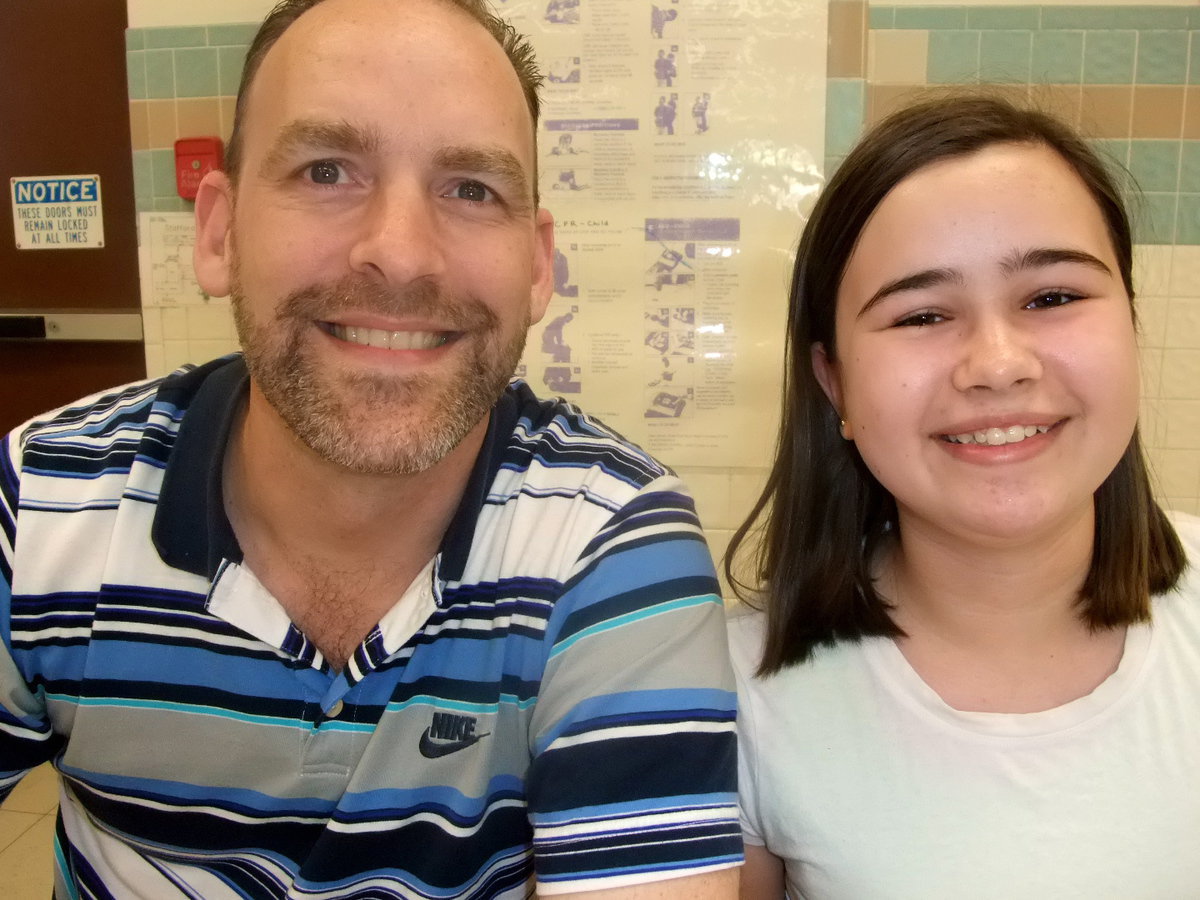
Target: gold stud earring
<point>845,429</point>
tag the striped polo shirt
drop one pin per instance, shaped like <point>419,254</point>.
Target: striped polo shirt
<point>549,702</point>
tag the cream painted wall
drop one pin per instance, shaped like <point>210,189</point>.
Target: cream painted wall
<point>160,13</point>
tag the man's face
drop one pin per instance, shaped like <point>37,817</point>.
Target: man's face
<point>384,253</point>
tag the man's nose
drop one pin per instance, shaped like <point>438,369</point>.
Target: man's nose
<point>997,354</point>
<point>399,235</point>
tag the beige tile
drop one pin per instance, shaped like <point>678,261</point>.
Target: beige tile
<point>847,39</point>
<point>1183,326</point>
<point>27,865</point>
<point>199,117</point>
<point>1150,363</point>
<point>228,105</point>
<point>1181,375</point>
<point>176,353</point>
<point>883,99</point>
<point>174,323</point>
<point>155,364</point>
<point>1061,100</point>
<point>1182,418</point>
<point>1158,111</point>
<point>152,332</point>
<point>1152,314</point>
<point>209,323</point>
<point>1152,423</point>
<point>1181,504</point>
<point>897,57</point>
<point>1191,113</point>
<point>1106,110</point>
<point>36,793</point>
<point>203,351</point>
<point>163,129</point>
<point>1152,270</point>
<point>139,125</point>
<point>1185,271</point>
<point>1176,472</point>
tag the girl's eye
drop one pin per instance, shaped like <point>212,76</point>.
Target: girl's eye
<point>1050,299</point>
<point>916,320</point>
<point>325,171</point>
<point>472,191</point>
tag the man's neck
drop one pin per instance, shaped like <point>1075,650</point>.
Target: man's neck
<point>336,547</point>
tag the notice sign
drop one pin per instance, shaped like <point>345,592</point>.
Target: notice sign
<point>57,212</point>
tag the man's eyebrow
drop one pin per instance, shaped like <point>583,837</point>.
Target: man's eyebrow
<point>497,162</point>
<point>915,282</point>
<point>302,134</point>
<point>1040,257</point>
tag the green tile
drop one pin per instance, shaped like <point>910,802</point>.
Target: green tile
<point>143,175</point>
<point>953,57</point>
<point>1162,57</point>
<point>1194,57</point>
<point>162,38</point>
<point>135,74</point>
<point>1114,153</point>
<point>135,39</point>
<point>881,17</point>
<point>1146,18</point>
<point>1057,57</point>
<point>1189,167</point>
<point>163,166</point>
<point>1005,56</point>
<point>1188,222</point>
<point>171,204</point>
<point>1108,57</point>
<point>229,69</point>
<point>1004,18</point>
<point>196,72</point>
<point>845,107</point>
<point>1082,17</point>
<point>160,74</point>
<point>931,17</point>
<point>1154,219</point>
<point>1155,164</point>
<point>1194,17</point>
<point>223,35</point>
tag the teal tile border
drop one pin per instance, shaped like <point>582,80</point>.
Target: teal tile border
<point>1154,218</point>
<point>879,17</point>
<point>1155,165</point>
<point>170,38</point>
<point>160,74</point>
<point>1057,57</point>
<point>1108,57</point>
<point>196,72</point>
<point>1005,57</point>
<point>1162,57</point>
<point>135,74</point>
<point>1189,167</point>
<point>931,17</point>
<point>953,57</point>
<point>1187,223</point>
<point>135,39</point>
<point>1004,17</point>
<point>229,69</point>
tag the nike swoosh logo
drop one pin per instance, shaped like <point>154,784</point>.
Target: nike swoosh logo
<point>431,749</point>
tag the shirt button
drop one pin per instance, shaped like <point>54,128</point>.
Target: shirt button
<point>335,710</point>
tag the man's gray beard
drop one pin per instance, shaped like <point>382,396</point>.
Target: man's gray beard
<point>367,423</point>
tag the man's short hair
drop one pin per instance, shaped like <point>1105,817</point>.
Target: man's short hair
<point>516,47</point>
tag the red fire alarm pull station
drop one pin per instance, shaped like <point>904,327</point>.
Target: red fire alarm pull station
<point>195,158</point>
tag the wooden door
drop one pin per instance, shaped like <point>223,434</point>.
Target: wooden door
<point>64,111</point>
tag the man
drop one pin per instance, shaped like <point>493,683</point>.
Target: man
<point>366,621</point>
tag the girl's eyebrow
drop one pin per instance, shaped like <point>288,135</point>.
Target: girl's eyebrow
<point>914,282</point>
<point>303,134</point>
<point>1040,257</point>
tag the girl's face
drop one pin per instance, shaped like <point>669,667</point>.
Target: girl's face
<point>987,365</point>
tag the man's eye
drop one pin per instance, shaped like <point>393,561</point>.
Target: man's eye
<point>472,191</point>
<point>1049,299</point>
<point>325,171</point>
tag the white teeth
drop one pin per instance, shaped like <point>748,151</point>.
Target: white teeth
<point>390,340</point>
<point>996,436</point>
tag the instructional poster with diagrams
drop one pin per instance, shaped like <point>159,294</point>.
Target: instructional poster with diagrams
<point>165,245</point>
<point>680,149</point>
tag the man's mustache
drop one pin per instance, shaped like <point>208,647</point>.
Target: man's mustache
<point>421,300</point>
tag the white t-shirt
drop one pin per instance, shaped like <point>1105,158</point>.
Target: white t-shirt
<point>868,786</point>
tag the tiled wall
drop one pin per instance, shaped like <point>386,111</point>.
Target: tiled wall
<point>1129,75</point>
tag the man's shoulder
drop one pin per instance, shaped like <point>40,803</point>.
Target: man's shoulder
<point>556,436</point>
<point>96,432</point>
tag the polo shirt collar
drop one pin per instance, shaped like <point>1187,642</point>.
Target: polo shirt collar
<point>191,531</point>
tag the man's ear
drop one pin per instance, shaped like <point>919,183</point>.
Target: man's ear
<point>830,379</point>
<point>543,265</point>
<point>212,256</point>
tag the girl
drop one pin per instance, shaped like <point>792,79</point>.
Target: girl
<point>976,668</point>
